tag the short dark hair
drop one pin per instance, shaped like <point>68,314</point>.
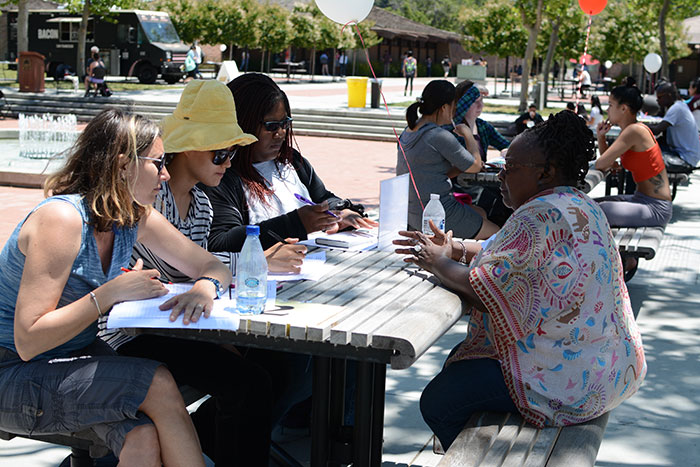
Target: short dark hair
<point>532,106</point>
<point>566,143</point>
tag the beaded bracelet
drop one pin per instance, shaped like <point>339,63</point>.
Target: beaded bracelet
<point>97,305</point>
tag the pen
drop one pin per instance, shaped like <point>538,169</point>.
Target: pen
<point>131,270</point>
<point>277,237</point>
<point>311,203</point>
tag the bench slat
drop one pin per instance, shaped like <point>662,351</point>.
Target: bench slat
<point>503,443</point>
<point>578,445</point>
<point>474,440</point>
<point>543,446</point>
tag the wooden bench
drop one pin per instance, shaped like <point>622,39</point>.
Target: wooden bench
<point>637,242</point>
<point>506,440</point>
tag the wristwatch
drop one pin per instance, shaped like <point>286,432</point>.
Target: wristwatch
<point>217,284</point>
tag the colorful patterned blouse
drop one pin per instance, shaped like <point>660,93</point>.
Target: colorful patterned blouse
<point>560,319</point>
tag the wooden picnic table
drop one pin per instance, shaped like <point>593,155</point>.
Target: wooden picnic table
<point>373,308</point>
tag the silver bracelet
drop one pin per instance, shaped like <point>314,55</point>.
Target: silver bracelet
<point>463,259</point>
<point>97,305</point>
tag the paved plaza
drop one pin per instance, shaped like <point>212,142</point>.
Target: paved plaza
<point>659,426</point>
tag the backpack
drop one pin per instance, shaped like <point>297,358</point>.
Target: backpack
<point>410,66</point>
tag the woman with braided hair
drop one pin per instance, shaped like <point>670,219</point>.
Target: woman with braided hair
<point>435,156</point>
<point>551,332</point>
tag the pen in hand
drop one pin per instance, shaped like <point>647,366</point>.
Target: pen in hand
<point>311,203</point>
<point>277,237</point>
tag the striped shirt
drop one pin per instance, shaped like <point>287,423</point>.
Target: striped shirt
<point>194,226</point>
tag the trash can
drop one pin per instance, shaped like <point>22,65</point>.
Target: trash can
<point>31,72</point>
<point>376,92</point>
<point>357,91</point>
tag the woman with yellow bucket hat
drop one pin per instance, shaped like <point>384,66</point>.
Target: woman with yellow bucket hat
<point>200,139</point>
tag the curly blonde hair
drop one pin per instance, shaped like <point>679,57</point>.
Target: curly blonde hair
<point>95,170</point>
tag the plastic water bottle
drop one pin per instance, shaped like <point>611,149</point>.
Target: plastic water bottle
<point>433,212</point>
<point>251,274</point>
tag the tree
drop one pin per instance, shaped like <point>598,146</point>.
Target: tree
<point>494,29</point>
<point>438,14</point>
<point>306,31</point>
<point>531,13</point>
<point>88,8</point>
<point>275,30</point>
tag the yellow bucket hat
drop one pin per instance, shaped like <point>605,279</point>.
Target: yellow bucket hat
<point>204,120</point>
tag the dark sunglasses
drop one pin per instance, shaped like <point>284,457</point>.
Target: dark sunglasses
<point>159,163</point>
<point>274,126</point>
<point>222,155</point>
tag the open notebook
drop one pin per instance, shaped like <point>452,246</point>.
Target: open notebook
<point>393,216</point>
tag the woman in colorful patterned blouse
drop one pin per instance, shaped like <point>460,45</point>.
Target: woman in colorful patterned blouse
<point>551,334</point>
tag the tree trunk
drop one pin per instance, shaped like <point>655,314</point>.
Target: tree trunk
<point>662,39</point>
<point>533,30</point>
<point>22,27</point>
<point>553,39</point>
<point>507,74</point>
<point>262,62</point>
<point>313,63</point>
<point>82,36</point>
<point>334,62</point>
<point>353,62</point>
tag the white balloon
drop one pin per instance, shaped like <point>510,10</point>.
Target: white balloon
<point>608,64</point>
<point>345,11</point>
<point>652,62</point>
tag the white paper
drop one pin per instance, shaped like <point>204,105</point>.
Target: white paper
<point>313,269</point>
<point>393,210</point>
<point>146,314</point>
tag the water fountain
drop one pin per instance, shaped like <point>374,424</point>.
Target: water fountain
<point>46,136</point>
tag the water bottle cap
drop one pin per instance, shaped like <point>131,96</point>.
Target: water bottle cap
<point>434,196</point>
<point>252,230</point>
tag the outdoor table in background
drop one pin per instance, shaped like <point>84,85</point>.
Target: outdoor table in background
<point>571,83</point>
<point>291,67</point>
<point>385,312</point>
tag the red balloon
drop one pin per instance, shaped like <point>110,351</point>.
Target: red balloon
<point>592,7</point>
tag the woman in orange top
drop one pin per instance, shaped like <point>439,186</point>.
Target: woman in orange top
<point>650,205</point>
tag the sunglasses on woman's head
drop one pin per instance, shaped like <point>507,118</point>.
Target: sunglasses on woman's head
<point>222,155</point>
<point>273,126</point>
<point>158,162</point>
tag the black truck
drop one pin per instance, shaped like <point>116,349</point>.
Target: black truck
<point>136,43</point>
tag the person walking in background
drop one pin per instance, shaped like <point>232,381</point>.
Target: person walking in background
<point>408,70</point>
<point>198,58</point>
<point>446,65</point>
<point>428,66</point>
<point>324,63</point>
<point>386,59</point>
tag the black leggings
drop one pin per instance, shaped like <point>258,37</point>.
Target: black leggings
<point>234,424</point>
<point>409,78</point>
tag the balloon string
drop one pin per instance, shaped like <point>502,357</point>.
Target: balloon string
<point>583,59</point>
<point>386,106</point>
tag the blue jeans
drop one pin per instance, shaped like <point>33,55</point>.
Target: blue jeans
<point>458,391</point>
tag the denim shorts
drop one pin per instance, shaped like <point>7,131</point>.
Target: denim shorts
<point>92,388</point>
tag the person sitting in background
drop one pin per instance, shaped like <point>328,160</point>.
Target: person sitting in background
<point>581,112</point>
<point>571,107</point>
<point>584,80</point>
<point>678,126</point>
<point>470,103</point>
<point>694,100</point>
<point>200,138</point>
<point>61,270</point>
<point>435,156</point>
<point>639,153</point>
<point>528,119</point>
<point>596,115</point>
<point>95,73</point>
<point>552,334</point>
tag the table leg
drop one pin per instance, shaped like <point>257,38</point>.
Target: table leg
<point>362,431</point>
<point>320,411</point>
<point>339,444</point>
<point>378,397</point>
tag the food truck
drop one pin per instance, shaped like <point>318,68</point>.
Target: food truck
<point>136,43</point>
